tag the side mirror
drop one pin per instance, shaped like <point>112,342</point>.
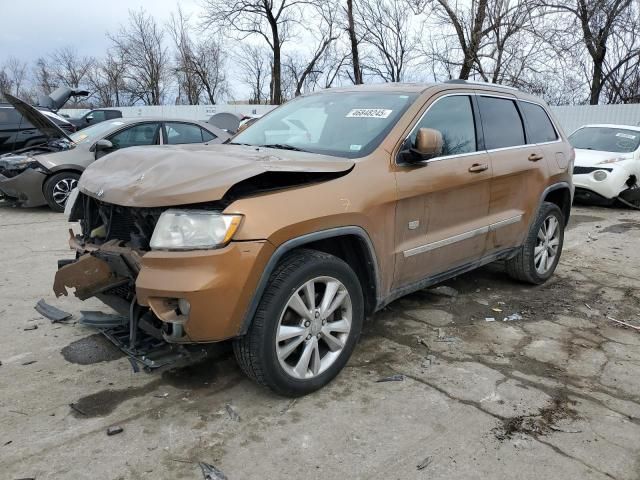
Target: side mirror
<point>88,118</point>
<point>103,147</point>
<point>103,144</point>
<point>428,145</point>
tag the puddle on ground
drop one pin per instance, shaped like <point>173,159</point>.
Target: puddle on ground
<point>105,401</point>
<point>576,220</point>
<point>621,227</point>
<point>92,349</point>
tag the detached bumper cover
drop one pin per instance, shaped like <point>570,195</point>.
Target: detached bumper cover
<point>25,187</point>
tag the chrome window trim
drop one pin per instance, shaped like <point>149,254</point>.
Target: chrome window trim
<point>461,236</point>
<point>478,152</point>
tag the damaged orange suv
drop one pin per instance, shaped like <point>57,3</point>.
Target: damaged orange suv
<point>322,212</point>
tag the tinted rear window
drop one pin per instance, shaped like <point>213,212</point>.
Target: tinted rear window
<point>539,126</point>
<point>501,123</point>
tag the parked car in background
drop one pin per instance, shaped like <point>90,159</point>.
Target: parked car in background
<point>95,116</point>
<point>607,165</point>
<point>48,172</point>
<point>372,192</point>
<point>17,132</point>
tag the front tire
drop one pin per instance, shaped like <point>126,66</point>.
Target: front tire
<point>539,255</point>
<point>306,326</point>
<point>57,189</point>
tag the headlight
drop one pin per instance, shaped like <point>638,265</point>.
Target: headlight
<point>612,160</point>
<point>193,229</point>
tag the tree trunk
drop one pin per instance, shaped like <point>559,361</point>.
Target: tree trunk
<point>596,83</point>
<point>355,57</point>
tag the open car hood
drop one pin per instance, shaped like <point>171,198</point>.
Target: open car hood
<point>38,119</point>
<point>182,175</point>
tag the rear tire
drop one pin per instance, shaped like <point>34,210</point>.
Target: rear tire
<point>295,346</point>
<point>57,189</point>
<point>539,255</point>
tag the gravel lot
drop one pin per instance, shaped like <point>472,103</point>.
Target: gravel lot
<point>555,394</point>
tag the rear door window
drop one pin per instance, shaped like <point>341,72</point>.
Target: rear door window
<point>453,118</point>
<point>501,123</point>
<point>539,126</point>
<point>182,133</point>
<point>111,114</point>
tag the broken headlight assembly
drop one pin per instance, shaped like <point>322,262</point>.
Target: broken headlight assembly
<point>16,164</point>
<point>193,230</point>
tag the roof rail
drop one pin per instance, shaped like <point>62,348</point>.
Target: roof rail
<point>476,82</point>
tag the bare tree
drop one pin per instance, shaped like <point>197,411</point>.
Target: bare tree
<point>387,30</point>
<point>270,20</point>
<point>69,68</point>
<point>354,42</point>
<point>254,63</point>
<point>45,77</point>
<point>200,66</point>
<point>470,28</point>
<point>304,70</point>
<point>106,81</point>
<point>140,44</point>
<point>599,23</point>
<point>16,73</point>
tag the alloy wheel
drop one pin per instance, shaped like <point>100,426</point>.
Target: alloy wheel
<point>62,190</point>
<point>547,244</point>
<point>314,327</point>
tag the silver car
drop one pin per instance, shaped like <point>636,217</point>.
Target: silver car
<point>45,174</point>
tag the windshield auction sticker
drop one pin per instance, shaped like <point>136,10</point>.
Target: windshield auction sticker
<point>369,113</point>
<point>626,135</point>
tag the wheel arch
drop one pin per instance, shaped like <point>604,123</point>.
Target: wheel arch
<point>351,244</point>
<point>560,195</point>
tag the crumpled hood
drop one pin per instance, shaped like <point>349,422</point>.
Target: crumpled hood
<point>591,158</point>
<point>181,175</point>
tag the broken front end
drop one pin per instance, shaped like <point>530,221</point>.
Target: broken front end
<point>172,296</point>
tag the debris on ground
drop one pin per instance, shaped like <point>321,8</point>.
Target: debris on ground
<point>444,291</point>
<point>496,309</point>
<point>233,413</point>
<point>162,395</point>
<point>513,317</point>
<point>52,313</point>
<point>635,327</point>
<point>77,409</point>
<point>490,319</point>
<point>445,338</point>
<point>114,430</point>
<point>30,327</point>
<point>209,472</point>
<point>421,341</point>
<point>393,378</point>
<point>540,424</point>
<point>7,443</point>
<point>30,362</point>
<point>424,463</point>
<point>289,406</point>
<point>96,319</point>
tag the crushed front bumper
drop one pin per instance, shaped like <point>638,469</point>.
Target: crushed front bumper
<point>217,284</point>
<point>26,188</point>
<point>615,181</point>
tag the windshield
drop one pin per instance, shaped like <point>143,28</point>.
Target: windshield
<point>344,124</point>
<point>606,139</point>
<point>95,132</point>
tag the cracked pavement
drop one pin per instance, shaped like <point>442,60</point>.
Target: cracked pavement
<point>555,394</point>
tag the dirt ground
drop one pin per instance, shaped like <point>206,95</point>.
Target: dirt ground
<point>555,394</point>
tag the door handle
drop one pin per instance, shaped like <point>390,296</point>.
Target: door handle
<point>534,157</point>
<point>477,167</point>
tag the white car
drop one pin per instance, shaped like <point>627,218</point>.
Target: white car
<point>607,164</point>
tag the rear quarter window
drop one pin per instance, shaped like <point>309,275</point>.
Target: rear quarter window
<point>539,126</point>
<point>501,122</point>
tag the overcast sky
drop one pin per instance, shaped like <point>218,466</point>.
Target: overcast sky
<point>34,28</point>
